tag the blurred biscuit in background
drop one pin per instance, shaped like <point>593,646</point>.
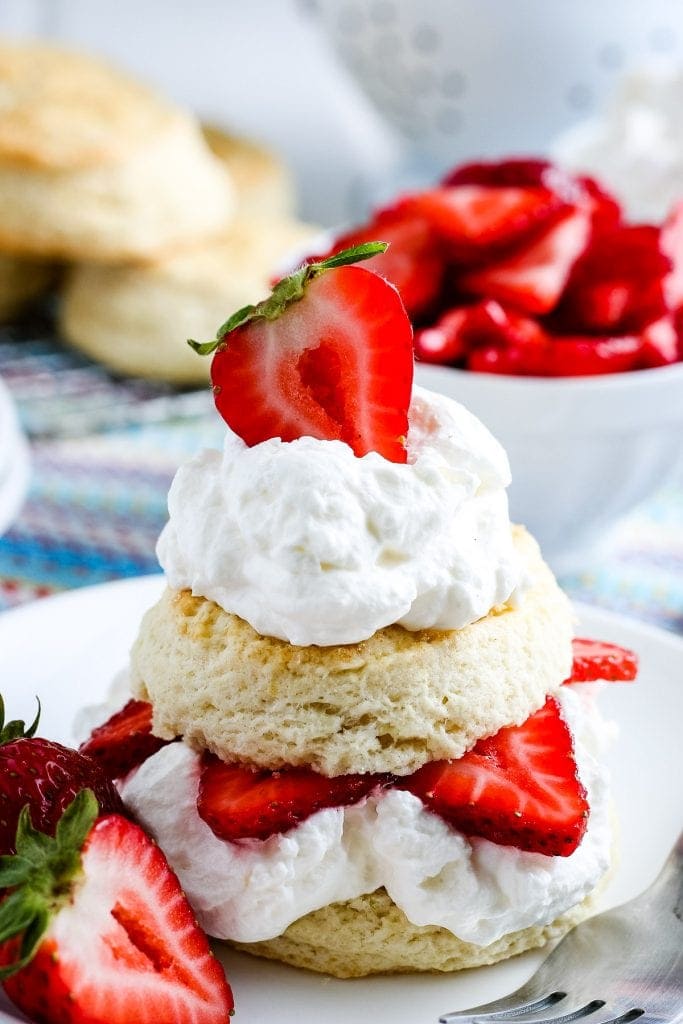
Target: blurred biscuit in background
<point>136,319</point>
<point>263,183</point>
<point>21,282</point>
<point>94,165</point>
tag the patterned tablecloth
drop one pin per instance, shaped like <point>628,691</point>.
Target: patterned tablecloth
<point>98,500</point>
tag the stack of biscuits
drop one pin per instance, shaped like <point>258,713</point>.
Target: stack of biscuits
<point>161,223</point>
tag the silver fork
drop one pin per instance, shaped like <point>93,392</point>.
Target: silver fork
<point>621,966</point>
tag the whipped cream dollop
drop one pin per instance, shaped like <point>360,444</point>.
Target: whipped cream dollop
<point>311,544</point>
<point>478,890</point>
<point>635,145</point>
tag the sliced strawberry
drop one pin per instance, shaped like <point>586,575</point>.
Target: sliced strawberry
<point>125,740</point>
<point>414,262</point>
<point>445,342</point>
<point>328,355</point>
<point>97,929</point>
<point>605,209</point>
<point>661,343</point>
<point>617,286</point>
<point>533,277</point>
<point>561,357</point>
<point>240,802</point>
<point>518,172</point>
<point>477,221</point>
<point>671,242</point>
<point>598,660</point>
<point>517,788</point>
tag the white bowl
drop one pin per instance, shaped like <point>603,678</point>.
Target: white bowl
<point>583,450</point>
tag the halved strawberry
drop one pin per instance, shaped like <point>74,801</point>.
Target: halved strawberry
<point>517,788</point>
<point>327,355</point>
<point>125,740</point>
<point>414,262</point>
<point>533,277</point>
<point>477,221</point>
<point>95,928</point>
<point>240,802</point>
<point>597,659</point>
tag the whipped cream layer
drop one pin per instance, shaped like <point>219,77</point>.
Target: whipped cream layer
<point>313,545</point>
<point>478,890</point>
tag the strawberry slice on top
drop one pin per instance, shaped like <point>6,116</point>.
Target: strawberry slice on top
<point>517,788</point>
<point>327,355</point>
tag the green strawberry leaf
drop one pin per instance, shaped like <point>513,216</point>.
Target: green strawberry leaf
<point>41,875</point>
<point>290,289</point>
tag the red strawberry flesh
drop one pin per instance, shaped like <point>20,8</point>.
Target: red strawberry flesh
<point>517,788</point>
<point>598,660</point>
<point>124,741</point>
<point>475,222</point>
<point>335,365</point>
<point>121,943</point>
<point>414,262</point>
<point>532,279</point>
<point>240,802</point>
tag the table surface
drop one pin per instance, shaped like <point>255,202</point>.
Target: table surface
<point>98,496</point>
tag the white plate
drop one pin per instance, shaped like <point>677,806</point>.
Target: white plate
<point>67,648</point>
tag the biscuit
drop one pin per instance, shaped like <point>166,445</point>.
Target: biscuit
<point>371,935</point>
<point>263,183</point>
<point>388,704</point>
<point>22,281</point>
<point>136,319</point>
<point>94,165</point>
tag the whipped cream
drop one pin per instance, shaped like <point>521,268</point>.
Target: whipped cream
<point>314,545</point>
<point>636,144</point>
<point>478,890</point>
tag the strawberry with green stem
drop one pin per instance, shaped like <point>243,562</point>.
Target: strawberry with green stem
<point>327,355</point>
<point>95,929</point>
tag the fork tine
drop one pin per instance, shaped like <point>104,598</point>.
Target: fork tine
<point>503,1009</point>
<point>535,1013</point>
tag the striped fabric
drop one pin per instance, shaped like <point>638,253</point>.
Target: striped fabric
<point>98,497</point>
<point>97,505</point>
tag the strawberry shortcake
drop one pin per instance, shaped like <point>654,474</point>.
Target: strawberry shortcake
<point>360,729</point>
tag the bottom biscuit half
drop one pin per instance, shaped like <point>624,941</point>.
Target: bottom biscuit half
<point>371,935</point>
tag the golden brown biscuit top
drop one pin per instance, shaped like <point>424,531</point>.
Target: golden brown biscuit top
<point>63,110</point>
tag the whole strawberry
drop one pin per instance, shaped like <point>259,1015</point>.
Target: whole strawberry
<point>95,928</point>
<point>45,775</point>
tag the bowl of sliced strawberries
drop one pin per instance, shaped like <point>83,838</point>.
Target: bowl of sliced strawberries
<point>557,322</point>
